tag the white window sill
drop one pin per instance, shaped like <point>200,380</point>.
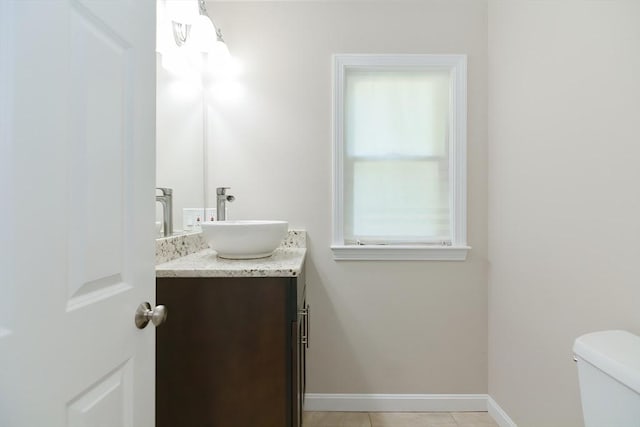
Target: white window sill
<point>399,253</point>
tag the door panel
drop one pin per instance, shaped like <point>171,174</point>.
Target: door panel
<point>108,399</point>
<point>77,95</point>
<point>99,145</point>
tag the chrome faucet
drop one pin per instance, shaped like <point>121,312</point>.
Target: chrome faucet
<point>221,198</point>
<point>167,210</point>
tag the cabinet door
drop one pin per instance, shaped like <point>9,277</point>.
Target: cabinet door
<point>222,355</point>
<point>296,371</point>
<point>301,335</point>
<point>304,345</point>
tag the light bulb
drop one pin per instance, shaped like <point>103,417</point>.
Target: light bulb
<point>203,34</point>
<point>181,11</point>
<point>219,58</point>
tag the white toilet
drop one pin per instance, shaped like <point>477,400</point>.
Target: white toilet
<point>609,373</point>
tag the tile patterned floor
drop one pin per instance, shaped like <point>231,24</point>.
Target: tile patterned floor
<point>398,419</point>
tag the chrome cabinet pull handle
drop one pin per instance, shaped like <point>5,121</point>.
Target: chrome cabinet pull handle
<point>304,339</point>
<point>307,322</point>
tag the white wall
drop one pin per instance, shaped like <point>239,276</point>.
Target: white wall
<point>377,327</point>
<point>564,112</point>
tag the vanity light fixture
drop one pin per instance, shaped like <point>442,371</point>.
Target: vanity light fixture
<point>180,32</point>
<point>202,35</point>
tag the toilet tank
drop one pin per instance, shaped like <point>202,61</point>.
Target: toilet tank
<point>609,375</point>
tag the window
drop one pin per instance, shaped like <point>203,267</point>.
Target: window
<point>399,157</point>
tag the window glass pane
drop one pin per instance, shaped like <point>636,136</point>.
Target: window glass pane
<point>396,113</point>
<point>397,201</point>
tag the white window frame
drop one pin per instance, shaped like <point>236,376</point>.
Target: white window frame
<point>457,64</point>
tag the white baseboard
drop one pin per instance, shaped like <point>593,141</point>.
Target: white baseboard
<point>498,414</point>
<point>395,402</point>
<point>408,403</point>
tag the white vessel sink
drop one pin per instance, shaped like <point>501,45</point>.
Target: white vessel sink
<point>244,239</point>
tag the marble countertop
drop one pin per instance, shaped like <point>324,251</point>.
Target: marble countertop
<point>284,262</point>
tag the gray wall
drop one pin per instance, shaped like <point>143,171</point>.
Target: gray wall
<point>564,208</point>
<point>377,327</point>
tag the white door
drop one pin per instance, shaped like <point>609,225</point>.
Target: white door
<point>77,82</point>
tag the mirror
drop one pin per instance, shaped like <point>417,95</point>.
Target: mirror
<point>180,151</point>
<point>189,65</point>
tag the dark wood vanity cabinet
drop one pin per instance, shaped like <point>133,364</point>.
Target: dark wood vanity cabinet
<point>232,352</point>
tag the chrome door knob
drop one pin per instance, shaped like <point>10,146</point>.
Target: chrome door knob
<point>145,313</point>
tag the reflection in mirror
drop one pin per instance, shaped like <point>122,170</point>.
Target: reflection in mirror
<point>179,143</point>
<point>179,138</point>
<point>190,66</point>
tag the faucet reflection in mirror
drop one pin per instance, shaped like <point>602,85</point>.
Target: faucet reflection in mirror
<point>166,200</point>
